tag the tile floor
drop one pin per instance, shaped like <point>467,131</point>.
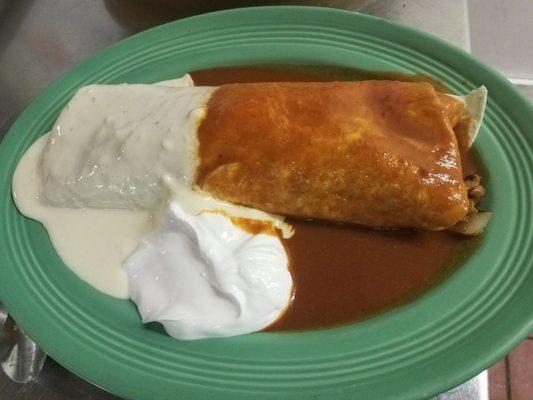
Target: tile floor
<point>511,378</point>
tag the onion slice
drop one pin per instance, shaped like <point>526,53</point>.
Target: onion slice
<point>473,225</point>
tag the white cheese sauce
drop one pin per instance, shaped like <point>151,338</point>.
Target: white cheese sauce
<point>93,243</point>
<point>112,143</point>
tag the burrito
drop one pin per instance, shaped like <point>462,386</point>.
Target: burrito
<point>376,153</point>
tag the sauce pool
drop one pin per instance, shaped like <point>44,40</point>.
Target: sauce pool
<point>346,273</point>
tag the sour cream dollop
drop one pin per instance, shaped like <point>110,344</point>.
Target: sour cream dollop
<point>202,276</point>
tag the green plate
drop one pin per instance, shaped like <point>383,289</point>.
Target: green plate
<point>447,336</point>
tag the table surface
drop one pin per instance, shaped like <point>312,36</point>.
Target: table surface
<point>41,39</point>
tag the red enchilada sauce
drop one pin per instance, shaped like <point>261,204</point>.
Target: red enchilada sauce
<point>345,273</point>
